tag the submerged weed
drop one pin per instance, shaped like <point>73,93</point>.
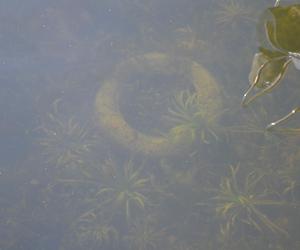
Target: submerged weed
<point>65,142</point>
<point>240,203</point>
<point>188,115</point>
<point>232,12</point>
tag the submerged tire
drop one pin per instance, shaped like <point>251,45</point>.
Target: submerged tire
<point>112,121</point>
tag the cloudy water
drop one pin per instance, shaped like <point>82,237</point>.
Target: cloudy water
<point>149,125</point>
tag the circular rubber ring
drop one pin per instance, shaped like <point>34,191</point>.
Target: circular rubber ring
<point>112,121</point>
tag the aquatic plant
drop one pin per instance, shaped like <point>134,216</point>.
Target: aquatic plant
<point>252,140</point>
<point>289,173</point>
<point>143,235</point>
<point>189,115</point>
<point>65,141</point>
<point>240,203</point>
<point>117,189</point>
<point>252,121</point>
<point>91,231</point>
<point>232,12</point>
<point>187,39</point>
<point>126,191</point>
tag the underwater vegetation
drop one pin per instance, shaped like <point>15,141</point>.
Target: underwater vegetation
<point>252,140</point>
<point>116,199</point>
<point>231,12</point>
<point>91,231</point>
<point>240,203</point>
<point>144,235</point>
<point>188,115</point>
<point>127,191</point>
<point>64,141</point>
<point>181,190</point>
<point>189,40</point>
<point>157,201</point>
<point>290,172</point>
<point>119,189</point>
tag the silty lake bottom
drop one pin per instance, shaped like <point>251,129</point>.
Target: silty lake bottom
<point>122,128</point>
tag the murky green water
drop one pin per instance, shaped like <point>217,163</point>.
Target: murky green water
<point>122,125</point>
